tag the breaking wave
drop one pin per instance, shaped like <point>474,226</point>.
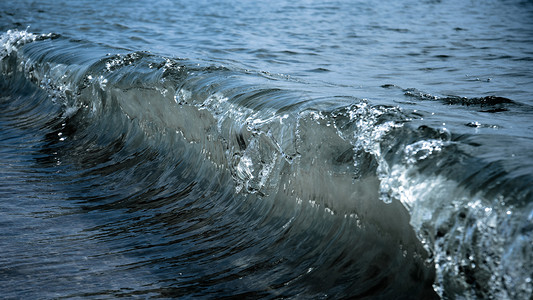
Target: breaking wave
<point>269,191</point>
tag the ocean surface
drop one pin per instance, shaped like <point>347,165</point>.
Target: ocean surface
<point>274,149</point>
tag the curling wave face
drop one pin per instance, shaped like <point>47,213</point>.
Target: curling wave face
<point>202,179</point>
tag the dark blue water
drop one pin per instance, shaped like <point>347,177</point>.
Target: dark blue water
<point>346,149</point>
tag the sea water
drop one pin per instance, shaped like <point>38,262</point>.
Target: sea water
<point>280,149</point>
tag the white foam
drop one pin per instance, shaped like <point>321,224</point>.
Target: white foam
<point>13,39</point>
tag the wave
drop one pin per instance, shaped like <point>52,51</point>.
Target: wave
<point>354,199</point>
